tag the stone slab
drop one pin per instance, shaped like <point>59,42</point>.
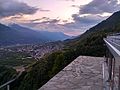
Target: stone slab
<point>84,73</point>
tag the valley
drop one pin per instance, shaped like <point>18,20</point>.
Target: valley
<point>24,55</point>
<point>42,61</point>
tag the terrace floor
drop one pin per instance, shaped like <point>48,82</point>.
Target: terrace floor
<point>84,73</point>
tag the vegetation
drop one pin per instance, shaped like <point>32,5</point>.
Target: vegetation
<point>40,72</point>
<point>11,58</point>
<point>6,74</point>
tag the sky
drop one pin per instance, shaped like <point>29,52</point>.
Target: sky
<point>72,17</point>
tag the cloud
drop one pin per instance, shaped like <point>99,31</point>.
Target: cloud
<point>76,6</point>
<point>12,7</point>
<point>80,24</point>
<point>43,10</point>
<point>92,13</point>
<point>83,23</point>
<point>70,0</point>
<point>54,21</point>
<point>38,19</point>
<point>41,21</point>
<point>53,27</point>
<point>87,19</point>
<point>88,16</point>
<point>44,20</point>
<point>16,17</point>
<point>99,7</point>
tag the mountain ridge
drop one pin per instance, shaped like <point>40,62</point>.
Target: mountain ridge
<point>51,35</point>
<point>15,34</point>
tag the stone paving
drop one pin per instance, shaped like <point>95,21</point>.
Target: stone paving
<point>84,73</point>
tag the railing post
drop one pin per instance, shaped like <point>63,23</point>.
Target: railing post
<point>107,56</point>
<point>119,79</point>
<point>8,87</point>
<point>114,71</point>
<point>110,66</point>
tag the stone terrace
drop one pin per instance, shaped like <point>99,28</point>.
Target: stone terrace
<point>84,73</point>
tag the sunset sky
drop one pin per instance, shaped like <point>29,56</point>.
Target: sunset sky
<point>71,17</point>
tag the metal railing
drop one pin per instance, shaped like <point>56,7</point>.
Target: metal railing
<point>9,82</point>
<point>112,60</point>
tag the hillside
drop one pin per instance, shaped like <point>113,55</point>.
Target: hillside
<point>90,43</point>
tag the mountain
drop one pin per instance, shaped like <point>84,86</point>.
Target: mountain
<point>10,36</point>
<point>90,43</point>
<point>49,35</point>
<point>15,34</point>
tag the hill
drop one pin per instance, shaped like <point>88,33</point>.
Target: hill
<point>91,42</point>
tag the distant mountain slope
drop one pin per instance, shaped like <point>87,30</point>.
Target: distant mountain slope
<point>15,34</point>
<point>10,36</point>
<point>49,35</point>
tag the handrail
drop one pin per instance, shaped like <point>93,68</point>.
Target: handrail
<point>113,45</point>
<point>114,48</point>
<point>7,83</point>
